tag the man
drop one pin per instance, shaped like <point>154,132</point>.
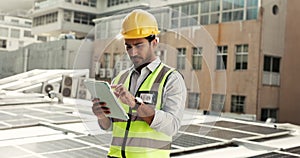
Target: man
<point>152,93</point>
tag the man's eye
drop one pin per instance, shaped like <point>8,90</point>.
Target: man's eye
<point>139,46</point>
<point>128,47</point>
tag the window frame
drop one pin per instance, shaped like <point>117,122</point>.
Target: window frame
<point>193,96</point>
<point>222,53</point>
<point>243,54</point>
<point>181,55</point>
<point>197,54</point>
<point>215,106</point>
<point>239,105</point>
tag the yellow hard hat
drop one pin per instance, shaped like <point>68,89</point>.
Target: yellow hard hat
<point>139,24</point>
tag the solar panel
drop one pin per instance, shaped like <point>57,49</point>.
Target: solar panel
<point>52,146</point>
<point>274,155</point>
<point>213,132</point>
<point>23,101</point>
<point>261,130</point>
<point>22,122</point>
<point>21,111</point>
<point>54,109</point>
<point>185,140</point>
<point>250,128</point>
<point>102,139</point>
<point>55,117</point>
<point>11,151</point>
<point>87,152</point>
<point>6,117</point>
<point>295,150</point>
<point>64,119</point>
<point>3,126</point>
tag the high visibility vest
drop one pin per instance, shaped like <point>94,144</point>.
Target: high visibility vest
<point>134,138</point>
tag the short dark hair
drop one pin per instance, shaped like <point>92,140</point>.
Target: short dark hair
<point>150,38</point>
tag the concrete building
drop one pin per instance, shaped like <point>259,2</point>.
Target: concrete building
<point>60,54</point>
<point>15,31</point>
<point>238,56</point>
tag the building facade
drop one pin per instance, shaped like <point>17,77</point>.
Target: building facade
<point>237,56</point>
<point>15,32</point>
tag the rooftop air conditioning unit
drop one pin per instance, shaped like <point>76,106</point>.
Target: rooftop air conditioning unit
<point>82,92</point>
<point>69,86</point>
<point>47,87</point>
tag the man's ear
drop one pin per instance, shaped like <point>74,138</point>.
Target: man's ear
<point>155,42</point>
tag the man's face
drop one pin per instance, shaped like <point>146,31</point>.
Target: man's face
<point>140,50</point>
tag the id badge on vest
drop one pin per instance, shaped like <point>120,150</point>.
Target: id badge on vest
<point>148,97</point>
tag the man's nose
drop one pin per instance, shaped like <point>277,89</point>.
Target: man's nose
<point>133,51</point>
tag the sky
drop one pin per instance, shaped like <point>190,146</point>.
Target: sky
<point>10,5</point>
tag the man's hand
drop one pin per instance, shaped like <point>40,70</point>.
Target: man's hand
<point>124,95</point>
<point>100,108</point>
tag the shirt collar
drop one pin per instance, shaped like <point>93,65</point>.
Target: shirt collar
<point>152,66</point>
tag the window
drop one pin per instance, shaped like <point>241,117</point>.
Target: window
<point>213,11</point>
<point>194,100</point>
<point>252,9</point>
<point>233,10</point>
<point>116,58</point>
<point>67,15</point>
<point>161,54</point>
<point>3,43</point>
<point>15,33</point>
<point>222,57</point>
<point>90,3</point>
<point>84,18</point>
<point>29,23</point>
<point>15,21</point>
<point>42,38</point>
<point>268,113</point>
<point>45,19</point>
<point>3,32</point>
<point>271,74</point>
<point>271,64</point>
<point>111,3</point>
<point>197,58</point>
<point>28,34</point>
<point>106,60</point>
<point>188,17</point>
<point>241,57</point>
<point>210,11</point>
<point>218,102</point>
<point>181,58</point>
<point>238,104</point>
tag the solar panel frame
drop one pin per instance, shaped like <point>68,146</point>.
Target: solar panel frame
<point>260,130</point>
<point>102,139</point>
<point>274,155</point>
<point>294,150</point>
<point>12,152</point>
<point>22,122</point>
<point>187,140</point>
<point>216,133</point>
<point>4,126</point>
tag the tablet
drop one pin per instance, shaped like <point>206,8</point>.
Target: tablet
<point>102,90</point>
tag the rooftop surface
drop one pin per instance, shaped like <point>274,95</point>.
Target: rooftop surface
<point>34,126</point>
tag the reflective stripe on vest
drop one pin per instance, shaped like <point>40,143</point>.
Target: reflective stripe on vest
<point>141,140</point>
